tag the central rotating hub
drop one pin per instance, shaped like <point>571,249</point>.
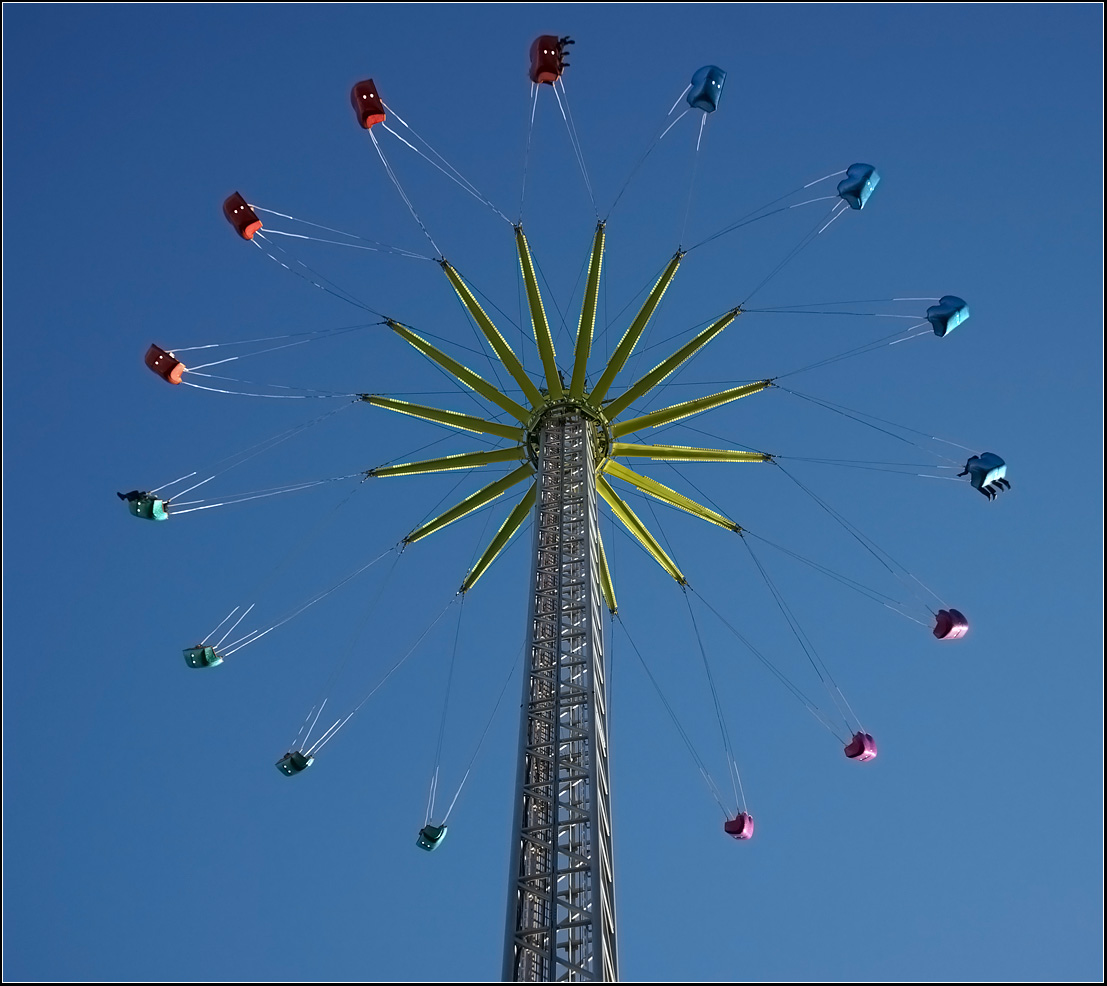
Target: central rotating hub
<point>601,433</point>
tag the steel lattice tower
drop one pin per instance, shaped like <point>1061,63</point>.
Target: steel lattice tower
<point>561,904</point>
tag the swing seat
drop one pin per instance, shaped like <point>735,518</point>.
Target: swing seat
<point>862,747</point>
<point>950,624</point>
<point>707,87</point>
<point>367,104</point>
<point>293,763</point>
<point>949,313</point>
<point>860,182</point>
<point>430,837</point>
<point>149,508</point>
<point>985,469</point>
<point>165,364</point>
<point>546,59</point>
<point>202,657</point>
<point>740,827</point>
<point>241,216</point>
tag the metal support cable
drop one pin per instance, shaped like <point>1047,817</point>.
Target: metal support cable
<point>893,566</point>
<point>399,188</point>
<point>808,238</point>
<point>804,641</point>
<point>811,707</point>
<point>255,635</point>
<point>712,787</point>
<point>445,711</point>
<point>341,293</point>
<point>334,729</point>
<point>577,150</point>
<point>382,247</point>
<point>728,747</point>
<point>484,733</point>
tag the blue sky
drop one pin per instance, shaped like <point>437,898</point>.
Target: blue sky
<point>147,835</point>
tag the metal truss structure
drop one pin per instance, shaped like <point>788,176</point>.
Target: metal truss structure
<point>561,898</point>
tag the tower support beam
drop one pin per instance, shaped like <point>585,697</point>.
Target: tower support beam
<point>561,905</point>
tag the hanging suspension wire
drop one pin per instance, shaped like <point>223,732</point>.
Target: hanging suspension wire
<point>808,239</point>
<point>732,764</point>
<point>871,465</point>
<point>339,724</point>
<point>255,635</point>
<point>868,591</point>
<point>484,733</point>
<point>442,720</point>
<point>173,483</point>
<point>300,338</point>
<point>230,630</point>
<point>687,88</point>
<point>399,188</point>
<point>308,336</point>
<point>320,395</point>
<point>892,468</point>
<point>649,148</point>
<point>333,289</point>
<point>194,486</point>
<point>795,691</point>
<point>759,213</point>
<point>898,571</point>
<point>258,494</point>
<point>811,307</point>
<point>821,669</point>
<point>352,246</point>
<point>860,417</point>
<point>441,164</point>
<point>856,416</point>
<point>875,595</point>
<point>747,220</point>
<point>712,787</point>
<point>308,724</point>
<point>236,459</point>
<point>728,747</point>
<point>347,652</point>
<point>307,738</point>
<point>272,574</point>
<point>307,391</point>
<point>464,184</point>
<point>212,633</point>
<point>370,244</point>
<point>889,340</point>
<point>526,154</point>
<point>692,183</point>
<point>573,140</point>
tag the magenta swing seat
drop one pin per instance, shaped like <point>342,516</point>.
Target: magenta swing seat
<point>740,827</point>
<point>862,747</point>
<point>950,624</point>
